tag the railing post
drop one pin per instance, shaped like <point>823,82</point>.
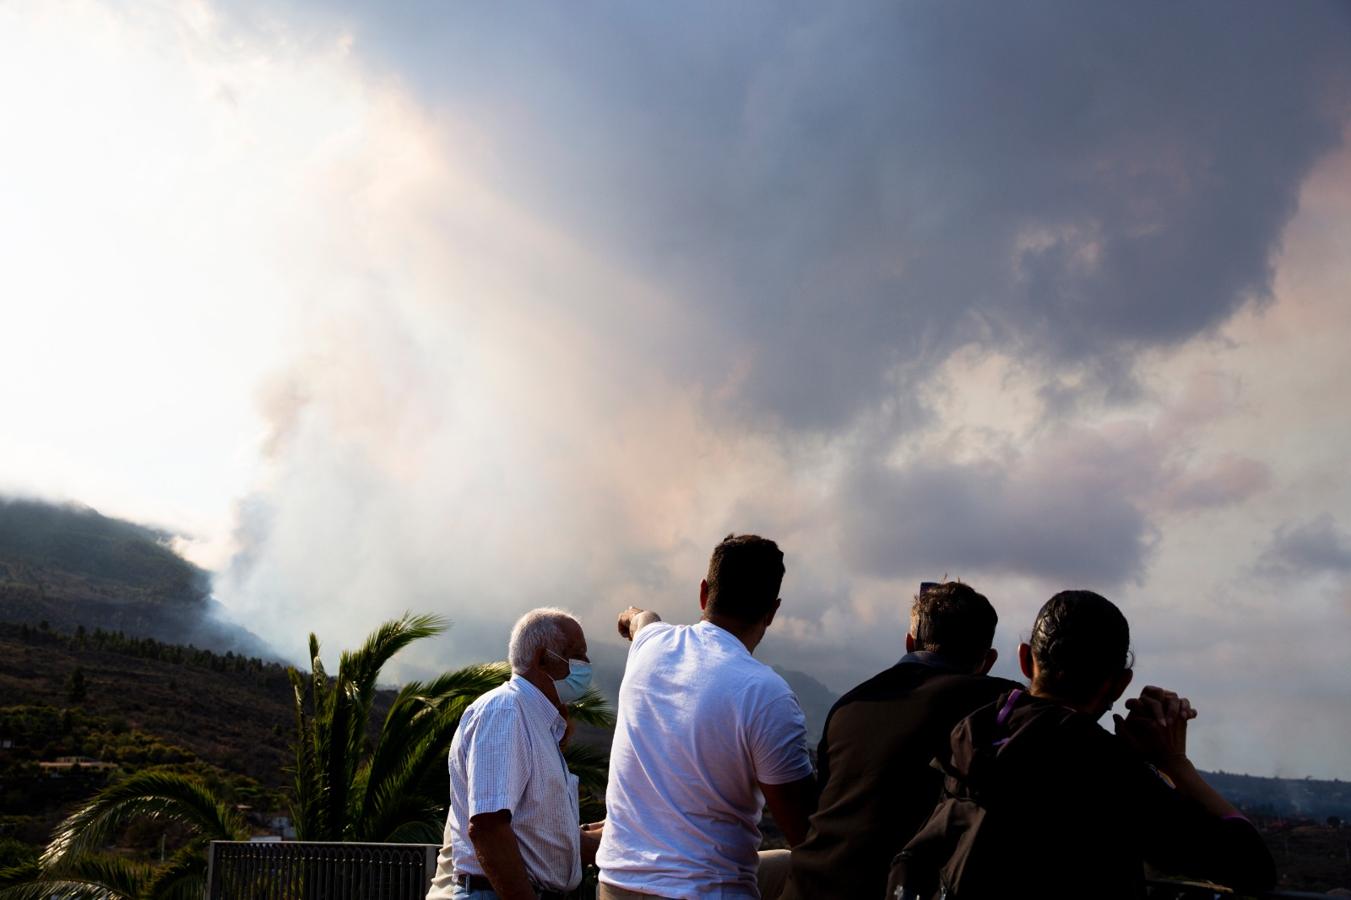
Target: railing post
<point>210,871</point>
<point>430,854</point>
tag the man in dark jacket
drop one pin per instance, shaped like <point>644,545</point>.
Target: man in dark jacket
<point>1040,801</point>
<point>877,787</point>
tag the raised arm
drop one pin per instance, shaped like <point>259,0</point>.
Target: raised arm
<point>1194,829</point>
<point>633,620</point>
<point>1156,725</point>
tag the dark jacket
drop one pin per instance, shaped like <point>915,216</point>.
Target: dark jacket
<point>877,787</point>
<point>1039,800</point>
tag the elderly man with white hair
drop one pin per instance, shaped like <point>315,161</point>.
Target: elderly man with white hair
<point>512,831</point>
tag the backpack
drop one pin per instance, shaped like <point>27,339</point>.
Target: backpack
<point>958,851</point>
<point>951,854</point>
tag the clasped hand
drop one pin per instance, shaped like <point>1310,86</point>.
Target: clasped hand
<point>1156,725</point>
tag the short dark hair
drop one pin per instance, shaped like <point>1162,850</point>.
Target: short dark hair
<point>952,619</point>
<point>744,577</point>
<point>1080,640</point>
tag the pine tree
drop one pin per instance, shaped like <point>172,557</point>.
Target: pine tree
<point>76,689</point>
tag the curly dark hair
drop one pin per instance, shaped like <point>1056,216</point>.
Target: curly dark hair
<point>952,619</point>
<point>1080,639</point>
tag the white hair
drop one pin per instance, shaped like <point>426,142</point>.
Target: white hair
<point>539,628</point>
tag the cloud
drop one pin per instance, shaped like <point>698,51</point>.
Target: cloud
<point>846,196</point>
<point>1022,515</point>
<point>514,310</point>
<point>1318,546</point>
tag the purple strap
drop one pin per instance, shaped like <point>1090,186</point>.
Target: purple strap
<point>1008,706</point>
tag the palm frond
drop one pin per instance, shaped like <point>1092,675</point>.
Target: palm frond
<point>592,709</point>
<point>89,877</point>
<point>590,765</point>
<point>20,874</point>
<point>409,777</point>
<point>428,830</point>
<point>423,708</point>
<point>362,666</point>
<point>304,801</point>
<point>183,877</point>
<point>152,793</point>
<point>64,888</point>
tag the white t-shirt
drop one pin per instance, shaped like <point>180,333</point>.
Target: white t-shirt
<point>700,723</point>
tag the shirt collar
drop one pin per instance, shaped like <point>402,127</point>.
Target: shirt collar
<point>932,660</point>
<point>722,635</point>
<point>539,705</point>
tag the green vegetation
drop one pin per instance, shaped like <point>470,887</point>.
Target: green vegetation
<point>76,550</point>
<point>350,782</point>
<point>69,566</point>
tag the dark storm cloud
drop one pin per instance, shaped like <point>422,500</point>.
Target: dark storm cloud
<point>848,193</point>
<point>1317,547</point>
<point>1070,515</point>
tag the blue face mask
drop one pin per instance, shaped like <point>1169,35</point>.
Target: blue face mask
<point>577,683</point>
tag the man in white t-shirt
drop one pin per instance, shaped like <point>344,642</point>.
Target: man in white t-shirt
<point>706,737</point>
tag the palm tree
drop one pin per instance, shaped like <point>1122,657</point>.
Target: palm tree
<point>349,785</point>
<point>72,867</point>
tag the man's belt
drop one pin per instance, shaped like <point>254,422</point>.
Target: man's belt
<point>480,883</point>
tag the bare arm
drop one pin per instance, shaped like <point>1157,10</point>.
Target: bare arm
<point>633,620</point>
<point>1219,844</point>
<point>1157,727</point>
<point>499,855</point>
<point>591,842</point>
<point>791,805</point>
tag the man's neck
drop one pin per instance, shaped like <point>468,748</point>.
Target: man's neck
<point>749,635</point>
<point>1090,708</point>
<point>546,687</point>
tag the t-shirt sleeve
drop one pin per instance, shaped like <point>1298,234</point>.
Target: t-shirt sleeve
<point>497,761</point>
<point>778,741</point>
<point>647,633</point>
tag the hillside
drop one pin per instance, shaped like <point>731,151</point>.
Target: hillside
<point>95,620</point>
<point>133,703</point>
<point>70,566</point>
<point>232,711</point>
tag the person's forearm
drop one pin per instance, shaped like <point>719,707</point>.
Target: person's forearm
<point>791,805</point>
<point>591,842</point>
<point>644,618</point>
<point>633,619</point>
<point>500,856</point>
<point>1189,783</point>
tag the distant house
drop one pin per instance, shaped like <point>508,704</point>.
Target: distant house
<point>282,827</point>
<point>63,764</point>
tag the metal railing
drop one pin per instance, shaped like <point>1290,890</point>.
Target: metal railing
<point>1164,889</point>
<point>300,870</point>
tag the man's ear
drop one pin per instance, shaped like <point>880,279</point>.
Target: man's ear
<point>988,662</point>
<point>1025,660</point>
<point>703,594</point>
<point>769,619</point>
<point>1119,685</point>
<point>909,642</point>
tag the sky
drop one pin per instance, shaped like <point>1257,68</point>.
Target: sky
<point>473,308</point>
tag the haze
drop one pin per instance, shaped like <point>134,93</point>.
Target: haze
<point>473,308</point>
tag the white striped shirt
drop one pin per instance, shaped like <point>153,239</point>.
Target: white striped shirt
<point>505,755</point>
